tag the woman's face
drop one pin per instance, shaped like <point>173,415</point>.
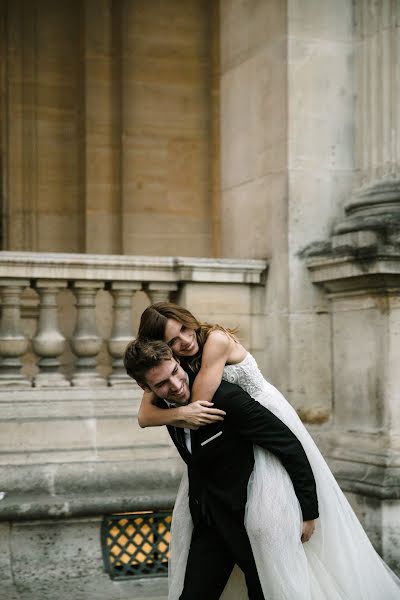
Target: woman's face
<point>181,339</point>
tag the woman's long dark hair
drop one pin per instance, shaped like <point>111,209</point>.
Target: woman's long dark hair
<point>154,320</point>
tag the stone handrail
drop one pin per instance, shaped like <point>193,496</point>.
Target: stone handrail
<point>85,275</point>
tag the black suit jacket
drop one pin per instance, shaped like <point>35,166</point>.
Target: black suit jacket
<point>222,457</point>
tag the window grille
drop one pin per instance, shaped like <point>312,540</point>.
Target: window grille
<point>136,544</point>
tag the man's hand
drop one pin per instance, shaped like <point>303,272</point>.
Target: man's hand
<point>308,530</point>
<point>197,414</point>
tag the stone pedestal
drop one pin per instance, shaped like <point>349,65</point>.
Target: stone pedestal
<point>364,451</point>
<point>359,269</point>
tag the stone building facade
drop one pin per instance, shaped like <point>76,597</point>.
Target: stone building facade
<point>240,157</point>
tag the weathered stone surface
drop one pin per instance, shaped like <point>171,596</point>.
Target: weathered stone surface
<point>63,559</point>
<point>171,129</point>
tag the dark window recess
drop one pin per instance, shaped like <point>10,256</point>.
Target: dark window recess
<point>136,544</point>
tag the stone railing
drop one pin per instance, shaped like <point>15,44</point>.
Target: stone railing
<point>160,278</point>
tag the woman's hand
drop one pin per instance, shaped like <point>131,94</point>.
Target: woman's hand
<point>308,530</point>
<point>197,414</point>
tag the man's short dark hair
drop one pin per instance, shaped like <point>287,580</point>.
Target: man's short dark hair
<point>142,355</point>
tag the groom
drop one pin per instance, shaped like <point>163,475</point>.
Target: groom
<point>220,460</point>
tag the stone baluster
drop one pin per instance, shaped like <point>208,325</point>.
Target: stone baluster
<point>13,343</point>
<point>49,342</point>
<point>85,341</point>
<point>160,291</point>
<point>122,293</point>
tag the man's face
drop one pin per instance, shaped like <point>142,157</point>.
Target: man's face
<point>169,381</point>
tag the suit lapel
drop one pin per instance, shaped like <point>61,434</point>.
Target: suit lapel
<point>180,435</point>
<point>180,442</point>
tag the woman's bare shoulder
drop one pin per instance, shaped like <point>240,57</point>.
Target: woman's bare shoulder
<point>227,344</point>
<point>220,337</point>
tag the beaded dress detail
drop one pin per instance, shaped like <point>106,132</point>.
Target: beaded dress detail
<point>338,563</point>
<point>246,374</point>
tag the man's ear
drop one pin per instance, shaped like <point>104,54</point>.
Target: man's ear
<point>144,387</point>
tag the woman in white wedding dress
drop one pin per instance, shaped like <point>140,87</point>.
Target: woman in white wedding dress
<point>338,562</point>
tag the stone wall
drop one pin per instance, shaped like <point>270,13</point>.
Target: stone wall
<point>108,126</point>
<point>258,129</point>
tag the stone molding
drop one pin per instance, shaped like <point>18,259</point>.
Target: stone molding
<point>34,265</point>
<point>348,273</point>
<point>364,463</point>
<point>28,507</point>
<point>373,481</point>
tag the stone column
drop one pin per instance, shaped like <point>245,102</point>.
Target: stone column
<point>85,342</point>
<point>122,292</point>
<point>49,342</point>
<point>375,203</point>
<point>13,343</point>
<point>159,291</point>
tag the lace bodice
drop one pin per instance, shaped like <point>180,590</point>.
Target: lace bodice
<point>247,375</point>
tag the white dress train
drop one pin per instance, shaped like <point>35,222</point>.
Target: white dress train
<point>338,563</point>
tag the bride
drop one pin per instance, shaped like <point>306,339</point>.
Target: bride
<point>338,562</point>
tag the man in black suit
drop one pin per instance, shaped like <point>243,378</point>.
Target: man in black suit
<point>220,460</point>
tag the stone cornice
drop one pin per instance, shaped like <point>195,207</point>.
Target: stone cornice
<point>34,265</point>
<point>29,507</point>
<point>347,273</point>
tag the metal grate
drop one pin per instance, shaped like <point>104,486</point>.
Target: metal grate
<point>136,544</point>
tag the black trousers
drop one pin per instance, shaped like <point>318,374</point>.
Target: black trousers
<point>217,545</point>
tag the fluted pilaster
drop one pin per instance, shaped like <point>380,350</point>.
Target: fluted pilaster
<point>376,198</point>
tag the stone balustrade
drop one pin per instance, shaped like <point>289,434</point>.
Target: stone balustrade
<point>70,443</point>
<point>160,278</point>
